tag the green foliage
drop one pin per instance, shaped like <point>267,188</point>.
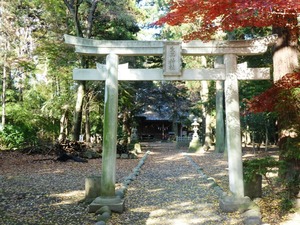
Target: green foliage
<point>286,203</point>
<point>15,136</point>
<point>290,170</point>
<point>260,125</point>
<point>259,166</point>
<point>290,148</point>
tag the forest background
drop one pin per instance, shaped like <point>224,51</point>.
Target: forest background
<point>42,104</point>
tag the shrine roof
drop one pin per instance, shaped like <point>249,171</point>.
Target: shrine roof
<point>155,116</point>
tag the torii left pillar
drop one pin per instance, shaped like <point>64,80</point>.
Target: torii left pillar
<point>108,177</point>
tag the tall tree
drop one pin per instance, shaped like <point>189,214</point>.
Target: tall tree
<point>73,7</point>
<point>114,20</point>
<point>4,30</point>
<point>17,23</point>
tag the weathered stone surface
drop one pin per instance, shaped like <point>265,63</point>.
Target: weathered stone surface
<point>92,187</point>
<point>124,156</point>
<point>218,190</point>
<point>252,217</point>
<point>141,163</point>
<point>103,209</point>
<point>211,179</point>
<point>110,127</point>
<point>120,193</point>
<point>253,188</point>
<point>100,223</point>
<point>103,217</point>
<point>132,177</point>
<point>136,170</point>
<point>254,206</point>
<point>116,204</point>
<point>195,47</point>
<point>212,182</point>
<point>132,155</point>
<point>138,148</point>
<point>234,203</point>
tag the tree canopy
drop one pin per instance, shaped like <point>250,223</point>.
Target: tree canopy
<point>283,98</point>
<point>211,16</point>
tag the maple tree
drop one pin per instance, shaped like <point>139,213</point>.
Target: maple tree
<point>283,97</point>
<point>228,15</point>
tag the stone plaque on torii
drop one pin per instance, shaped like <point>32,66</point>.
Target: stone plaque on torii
<point>171,51</point>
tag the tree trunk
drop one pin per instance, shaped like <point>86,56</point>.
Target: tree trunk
<point>78,110</point>
<point>3,95</point>
<point>286,53</point>
<point>208,133</point>
<point>126,126</point>
<point>73,7</point>
<point>286,60</point>
<point>207,123</point>
<point>220,130</point>
<point>87,121</point>
<point>220,124</point>
<point>285,57</point>
<point>63,125</point>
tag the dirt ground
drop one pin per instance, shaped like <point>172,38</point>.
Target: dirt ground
<point>37,189</point>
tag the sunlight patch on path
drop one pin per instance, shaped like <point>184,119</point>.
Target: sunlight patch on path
<point>185,213</point>
<point>69,197</point>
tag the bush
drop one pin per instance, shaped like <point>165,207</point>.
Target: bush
<point>15,136</point>
<point>259,166</point>
<point>290,169</point>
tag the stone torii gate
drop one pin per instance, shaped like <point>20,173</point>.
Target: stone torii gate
<point>171,51</point>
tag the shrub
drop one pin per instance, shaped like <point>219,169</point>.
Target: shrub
<point>259,166</point>
<point>15,136</point>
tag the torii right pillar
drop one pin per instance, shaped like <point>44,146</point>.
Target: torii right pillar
<point>233,127</point>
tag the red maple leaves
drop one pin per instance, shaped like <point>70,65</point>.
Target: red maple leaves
<point>282,96</point>
<point>212,15</point>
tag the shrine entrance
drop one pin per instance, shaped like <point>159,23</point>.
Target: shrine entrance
<point>172,51</point>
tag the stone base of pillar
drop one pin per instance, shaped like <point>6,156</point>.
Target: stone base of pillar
<point>195,145</point>
<point>92,187</point>
<point>234,203</point>
<point>115,203</point>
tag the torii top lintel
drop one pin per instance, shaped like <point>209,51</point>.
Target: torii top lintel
<point>130,47</point>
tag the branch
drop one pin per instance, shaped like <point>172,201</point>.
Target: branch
<point>73,6</point>
<point>92,10</point>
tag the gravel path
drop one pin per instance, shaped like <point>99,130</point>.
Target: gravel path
<point>170,191</point>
